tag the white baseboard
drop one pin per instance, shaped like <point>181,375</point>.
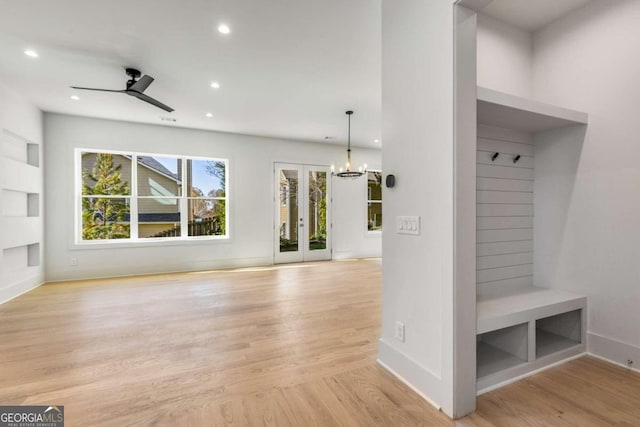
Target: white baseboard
<point>417,378</point>
<point>151,269</point>
<point>355,254</point>
<point>19,288</point>
<point>614,351</point>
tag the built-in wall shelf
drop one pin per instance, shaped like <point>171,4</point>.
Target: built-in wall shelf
<point>512,112</point>
<point>524,330</point>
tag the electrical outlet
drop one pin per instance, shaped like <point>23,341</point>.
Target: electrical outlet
<point>74,262</point>
<point>629,363</point>
<point>399,331</point>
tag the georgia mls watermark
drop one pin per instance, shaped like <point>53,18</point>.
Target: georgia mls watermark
<point>31,416</point>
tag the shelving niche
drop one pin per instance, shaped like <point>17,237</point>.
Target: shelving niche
<point>522,324</point>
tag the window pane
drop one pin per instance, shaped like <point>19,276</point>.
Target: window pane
<point>317,210</point>
<point>288,211</point>
<point>374,185</point>
<point>159,176</point>
<point>158,217</point>
<point>106,174</point>
<point>206,178</point>
<point>374,216</point>
<point>207,217</point>
<point>105,218</point>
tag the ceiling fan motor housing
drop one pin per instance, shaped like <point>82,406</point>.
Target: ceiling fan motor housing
<point>134,74</point>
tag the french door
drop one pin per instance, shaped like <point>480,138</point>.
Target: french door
<point>302,213</point>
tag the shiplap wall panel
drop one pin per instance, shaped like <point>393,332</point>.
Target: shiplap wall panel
<point>505,147</point>
<point>484,209</point>
<point>504,235</point>
<point>511,272</point>
<point>506,260</point>
<point>503,248</point>
<point>508,172</point>
<point>500,287</point>
<point>505,197</point>
<point>502,222</point>
<point>484,157</point>
<point>504,211</point>
<point>502,134</point>
<point>499,184</point>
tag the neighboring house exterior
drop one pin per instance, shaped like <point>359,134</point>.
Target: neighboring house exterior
<point>288,205</point>
<point>157,213</point>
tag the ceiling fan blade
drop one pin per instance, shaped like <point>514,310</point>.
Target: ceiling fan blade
<point>99,90</point>
<point>150,100</point>
<point>142,84</point>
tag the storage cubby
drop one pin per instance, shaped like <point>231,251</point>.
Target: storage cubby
<point>501,349</point>
<point>557,333</point>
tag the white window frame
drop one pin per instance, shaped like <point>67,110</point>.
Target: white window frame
<point>134,239</point>
<point>366,205</point>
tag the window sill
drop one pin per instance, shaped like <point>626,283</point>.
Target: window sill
<point>373,234</point>
<point>144,243</point>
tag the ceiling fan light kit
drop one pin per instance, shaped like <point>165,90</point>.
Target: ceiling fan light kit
<point>136,86</point>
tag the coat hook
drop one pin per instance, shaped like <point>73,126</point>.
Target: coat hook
<point>516,158</point>
<point>494,157</point>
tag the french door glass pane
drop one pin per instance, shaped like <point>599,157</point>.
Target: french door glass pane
<point>159,176</point>
<point>374,216</point>
<point>374,185</point>
<point>288,210</point>
<point>158,217</point>
<point>317,210</point>
<point>207,217</point>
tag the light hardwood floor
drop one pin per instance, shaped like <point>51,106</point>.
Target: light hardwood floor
<point>293,345</point>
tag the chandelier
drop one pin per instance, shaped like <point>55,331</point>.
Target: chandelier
<point>347,172</point>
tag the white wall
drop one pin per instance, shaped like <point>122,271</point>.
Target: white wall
<point>504,57</point>
<point>20,125</point>
<point>589,61</point>
<point>417,134</point>
<point>251,199</point>
<point>350,201</point>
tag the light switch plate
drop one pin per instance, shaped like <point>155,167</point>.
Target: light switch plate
<point>408,225</point>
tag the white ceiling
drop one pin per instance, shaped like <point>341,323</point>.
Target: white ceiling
<point>531,15</point>
<point>289,68</point>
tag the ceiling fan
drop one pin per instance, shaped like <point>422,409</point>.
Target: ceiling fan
<point>135,88</point>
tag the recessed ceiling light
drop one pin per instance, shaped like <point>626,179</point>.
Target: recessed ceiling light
<point>376,140</point>
<point>224,29</point>
<point>215,85</point>
<point>209,115</point>
<point>75,97</point>
<point>31,53</point>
